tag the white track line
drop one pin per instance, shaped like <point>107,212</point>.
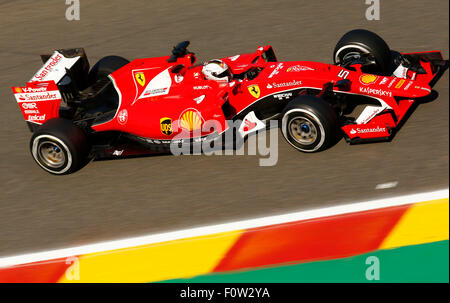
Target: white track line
<point>225,227</point>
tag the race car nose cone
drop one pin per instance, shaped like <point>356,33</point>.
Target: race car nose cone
<point>420,89</point>
<point>411,88</point>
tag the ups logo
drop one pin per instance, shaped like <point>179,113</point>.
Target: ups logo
<point>166,126</point>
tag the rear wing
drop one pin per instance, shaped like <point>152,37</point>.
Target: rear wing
<point>61,77</point>
<point>38,101</point>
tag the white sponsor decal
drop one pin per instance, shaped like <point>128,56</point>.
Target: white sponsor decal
<point>33,111</point>
<point>159,85</point>
<point>155,92</point>
<point>284,84</point>
<point>36,118</point>
<point>117,152</point>
<point>369,112</point>
<point>408,85</point>
<point>34,90</point>
<point>375,91</point>
<point>41,96</point>
<point>269,86</point>
<point>48,66</point>
<point>55,68</point>
<point>122,116</point>
<point>367,130</point>
<point>199,100</point>
<point>276,70</point>
<point>299,68</point>
<point>233,58</point>
<point>250,124</point>
<point>384,80</point>
<point>202,87</point>
<point>283,96</point>
<point>392,82</point>
<point>29,105</point>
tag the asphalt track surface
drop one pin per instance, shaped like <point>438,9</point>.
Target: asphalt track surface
<point>109,200</point>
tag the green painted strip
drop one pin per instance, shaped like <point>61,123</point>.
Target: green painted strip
<point>418,263</point>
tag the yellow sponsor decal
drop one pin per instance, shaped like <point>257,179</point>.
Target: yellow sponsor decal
<point>140,78</point>
<point>399,83</point>
<point>191,120</point>
<point>368,79</point>
<point>166,126</point>
<point>254,90</point>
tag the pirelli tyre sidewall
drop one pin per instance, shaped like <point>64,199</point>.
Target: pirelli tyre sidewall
<point>316,116</point>
<point>59,147</point>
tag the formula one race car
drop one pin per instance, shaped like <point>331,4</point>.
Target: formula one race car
<point>121,108</point>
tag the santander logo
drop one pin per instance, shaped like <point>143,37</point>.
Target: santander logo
<point>367,130</point>
<point>47,68</point>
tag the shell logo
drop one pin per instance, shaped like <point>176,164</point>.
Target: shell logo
<point>18,89</point>
<point>191,120</point>
<point>368,79</point>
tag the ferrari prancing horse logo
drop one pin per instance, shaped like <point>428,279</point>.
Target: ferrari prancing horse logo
<point>140,78</point>
<point>254,90</point>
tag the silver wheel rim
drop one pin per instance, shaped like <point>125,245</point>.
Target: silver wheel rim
<point>51,154</point>
<point>302,130</point>
<point>354,55</point>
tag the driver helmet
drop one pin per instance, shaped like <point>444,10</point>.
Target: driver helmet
<point>217,70</point>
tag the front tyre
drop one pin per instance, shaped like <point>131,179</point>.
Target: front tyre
<point>59,147</point>
<point>366,47</point>
<point>309,124</point>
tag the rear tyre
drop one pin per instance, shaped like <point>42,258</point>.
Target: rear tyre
<point>59,147</point>
<point>104,67</point>
<point>309,124</point>
<point>359,42</point>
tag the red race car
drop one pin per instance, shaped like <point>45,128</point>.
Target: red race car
<point>121,108</point>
